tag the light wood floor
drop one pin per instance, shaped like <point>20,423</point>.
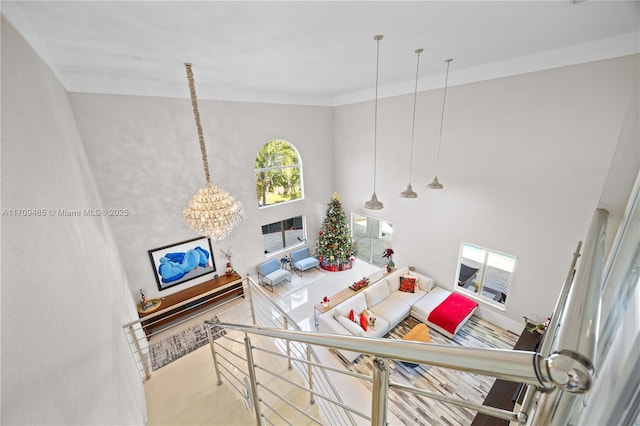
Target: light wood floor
<point>185,392</point>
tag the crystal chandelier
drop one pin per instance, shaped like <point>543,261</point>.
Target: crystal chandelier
<point>435,184</point>
<point>373,203</point>
<point>409,192</point>
<point>212,211</point>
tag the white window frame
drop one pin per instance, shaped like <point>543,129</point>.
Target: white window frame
<point>481,276</point>
<point>301,240</point>
<point>297,165</point>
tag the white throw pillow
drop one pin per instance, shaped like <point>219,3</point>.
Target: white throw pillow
<point>376,293</point>
<point>351,326</point>
<point>426,283</point>
<point>357,303</point>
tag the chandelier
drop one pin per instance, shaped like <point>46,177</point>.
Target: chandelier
<point>212,211</point>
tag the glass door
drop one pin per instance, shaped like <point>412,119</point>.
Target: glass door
<point>372,237</point>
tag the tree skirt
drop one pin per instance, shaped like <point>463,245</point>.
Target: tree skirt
<point>335,267</point>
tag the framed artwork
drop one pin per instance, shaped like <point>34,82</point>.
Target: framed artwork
<point>177,263</point>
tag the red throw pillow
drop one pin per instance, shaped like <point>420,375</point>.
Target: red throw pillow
<point>363,322</point>
<point>407,284</point>
<point>352,315</point>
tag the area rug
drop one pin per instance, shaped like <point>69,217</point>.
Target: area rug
<point>182,343</point>
<point>418,410</point>
<point>298,282</point>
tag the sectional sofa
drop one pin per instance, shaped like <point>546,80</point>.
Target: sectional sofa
<point>390,306</point>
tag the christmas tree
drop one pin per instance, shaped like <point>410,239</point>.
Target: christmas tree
<point>335,247</point>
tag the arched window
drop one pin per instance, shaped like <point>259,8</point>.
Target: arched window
<point>278,173</point>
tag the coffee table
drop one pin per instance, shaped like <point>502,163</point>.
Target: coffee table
<point>419,333</point>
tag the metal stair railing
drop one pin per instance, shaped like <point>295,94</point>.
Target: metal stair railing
<point>499,363</point>
<point>234,366</point>
<point>138,335</point>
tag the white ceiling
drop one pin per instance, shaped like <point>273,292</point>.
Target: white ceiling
<point>315,53</point>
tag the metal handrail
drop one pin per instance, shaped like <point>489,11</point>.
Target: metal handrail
<point>571,364</point>
<point>252,285</point>
<point>504,364</point>
<point>550,334</point>
<point>135,330</point>
<point>323,381</point>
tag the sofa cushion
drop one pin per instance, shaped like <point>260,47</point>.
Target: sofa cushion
<point>357,303</point>
<point>408,298</point>
<point>306,263</point>
<point>407,284</point>
<point>379,330</point>
<point>425,283</point>
<point>392,309</point>
<point>352,315</point>
<point>267,267</point>
<point>376,293</point>
<point>363,321</point>
<point>351,326</point>
<point>277,276</point>
<point>300,254</point>
<point>423,307</point>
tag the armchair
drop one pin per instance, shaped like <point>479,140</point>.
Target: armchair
<point>270,273</point>
<point>301,260</point>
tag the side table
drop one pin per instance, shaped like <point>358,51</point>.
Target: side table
<point>285,263</point>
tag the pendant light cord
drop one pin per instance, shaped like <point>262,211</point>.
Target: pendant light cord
<point>444,99</point>
<point>413,123</point>
<point>196,113</point>
<point>375,114</point>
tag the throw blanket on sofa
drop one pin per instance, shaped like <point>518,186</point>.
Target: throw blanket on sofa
<point>451,311</point>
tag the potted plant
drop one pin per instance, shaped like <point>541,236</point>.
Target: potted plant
<point>325,302</point>
<point>388,254</point>
<point>536,327</point>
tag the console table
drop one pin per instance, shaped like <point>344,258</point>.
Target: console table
<point>335,300</point>
<point>503,394</point>
<point>178,304</point>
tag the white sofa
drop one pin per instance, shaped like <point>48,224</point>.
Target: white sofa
<point>389,305</point>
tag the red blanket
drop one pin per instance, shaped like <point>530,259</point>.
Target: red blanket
<point>452,311</point>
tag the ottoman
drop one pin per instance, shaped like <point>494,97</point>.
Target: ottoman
<point>419,333</point>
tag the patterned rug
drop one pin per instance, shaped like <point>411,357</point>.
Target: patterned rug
<point>413,409</point>
<point>182,343</point>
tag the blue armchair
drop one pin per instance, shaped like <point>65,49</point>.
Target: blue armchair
<point>301,260</point>
<point>270,273</point>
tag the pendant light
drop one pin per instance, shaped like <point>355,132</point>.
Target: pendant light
<point>373,203</point>
<point>436,184</point>
<point>409,192</point>
<point>212,212</point>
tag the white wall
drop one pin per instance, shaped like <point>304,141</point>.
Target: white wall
<point>524,160</point>
<point>65,359</point>
<point>146,158</point>
<point>624,166</point>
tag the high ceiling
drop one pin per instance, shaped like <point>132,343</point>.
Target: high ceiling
<point>315,53</point>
